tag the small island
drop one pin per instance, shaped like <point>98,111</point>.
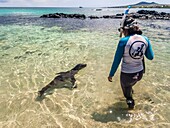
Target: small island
<point>144,5</point>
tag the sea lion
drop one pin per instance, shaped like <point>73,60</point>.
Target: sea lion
<point>63,77</point>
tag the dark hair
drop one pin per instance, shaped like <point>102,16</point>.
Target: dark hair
<point>133,30</point>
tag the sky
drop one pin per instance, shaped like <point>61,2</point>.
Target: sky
<point>72,3</point>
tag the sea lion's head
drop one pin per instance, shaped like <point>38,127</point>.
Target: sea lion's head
<point>79,66</point>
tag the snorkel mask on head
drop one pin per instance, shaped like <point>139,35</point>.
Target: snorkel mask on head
<point>129,23</point>
<point>131,26</point>
<point>123,20</point>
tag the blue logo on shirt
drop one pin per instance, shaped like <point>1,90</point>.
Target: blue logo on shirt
<point>137,49</point>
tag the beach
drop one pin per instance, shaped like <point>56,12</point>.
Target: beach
<point>33,50</point>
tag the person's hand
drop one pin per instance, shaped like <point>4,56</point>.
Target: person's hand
<point>110,79</point>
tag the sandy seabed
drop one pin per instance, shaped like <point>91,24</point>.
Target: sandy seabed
<point>31,55</point>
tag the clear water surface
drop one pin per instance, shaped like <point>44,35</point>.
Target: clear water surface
<point>33,50</point>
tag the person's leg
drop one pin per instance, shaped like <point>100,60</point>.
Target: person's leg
<point>127,81</point>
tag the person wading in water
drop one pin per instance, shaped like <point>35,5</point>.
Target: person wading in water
<point>131,50</point>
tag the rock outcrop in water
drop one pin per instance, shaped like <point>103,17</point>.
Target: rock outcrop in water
<point>145,14</point>
<point>141,14</point>
<point>62,15</point>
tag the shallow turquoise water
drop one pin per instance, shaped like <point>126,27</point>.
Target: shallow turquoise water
<point>32,50</point>
<point>32,11</point>
<point>37,11</point>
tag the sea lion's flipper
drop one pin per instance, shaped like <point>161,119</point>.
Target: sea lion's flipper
<point>40,93</point>
<point>44,89</point>
<point>73,80</point>
<point>74,86</point>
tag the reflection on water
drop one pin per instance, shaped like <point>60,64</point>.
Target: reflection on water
<point>31,55</point>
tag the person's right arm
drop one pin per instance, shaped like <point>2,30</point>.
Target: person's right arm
<point>117,58</point>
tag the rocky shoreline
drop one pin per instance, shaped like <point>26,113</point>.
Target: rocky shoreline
<point>141,14</point>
